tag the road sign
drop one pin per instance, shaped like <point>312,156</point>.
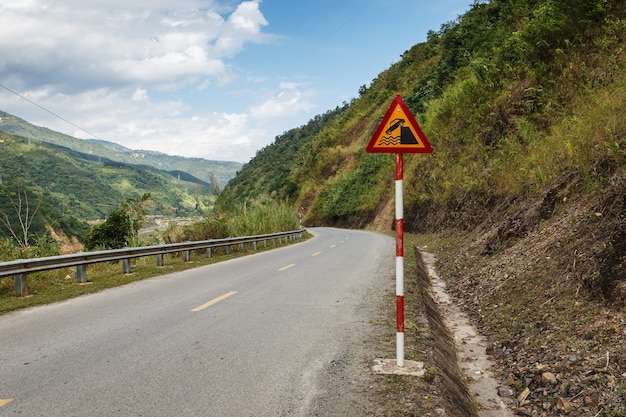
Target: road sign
<point>399,132</point>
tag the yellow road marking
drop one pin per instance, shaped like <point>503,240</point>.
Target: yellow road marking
<point>5,401</point>
<point>286,267</point>
<point>316,253</point>
<point>214,301</point>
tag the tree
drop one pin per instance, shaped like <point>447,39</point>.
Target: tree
<point>120,227</point>
<point>214,184</point>
<point>24,214</point>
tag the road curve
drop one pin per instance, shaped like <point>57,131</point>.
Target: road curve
<point>245,337</point>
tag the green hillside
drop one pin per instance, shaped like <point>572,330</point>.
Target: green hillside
<point>524,196</point>
<point>205,170</point>
<point>71,187</point>
<point>269,173</point>
<point>519,100</point>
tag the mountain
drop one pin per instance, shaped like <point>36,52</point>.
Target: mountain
<point>208,171</point>
<point>524,196</point>
<point>63,188</point>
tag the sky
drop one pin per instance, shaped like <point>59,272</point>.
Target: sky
<point>215,79</point>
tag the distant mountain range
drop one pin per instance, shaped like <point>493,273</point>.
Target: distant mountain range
<point>72,181</point>
<point>208,171</point>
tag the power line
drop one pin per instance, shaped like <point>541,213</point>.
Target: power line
<point>51,112</point>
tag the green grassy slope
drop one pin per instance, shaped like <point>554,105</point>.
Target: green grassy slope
<point>269,173</point>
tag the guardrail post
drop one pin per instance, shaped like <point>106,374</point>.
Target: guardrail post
<point>265,243</point>
<point>241,247</point>
<point>254,245</point>
<point>81,273</point>
<point>20,285</point>
<point>273,241</point>
<point>227,249</point>
<point>126,266</point>
<point>159,259</point>
<point>208,252</point>
<point>186,256</point>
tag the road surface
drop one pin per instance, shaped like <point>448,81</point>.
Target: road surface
<point>246,337</point>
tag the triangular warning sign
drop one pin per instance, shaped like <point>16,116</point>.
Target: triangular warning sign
<point>399,132</point>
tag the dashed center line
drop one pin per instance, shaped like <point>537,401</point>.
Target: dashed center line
<point>287,267</point>
<point>332,246</point>
<point>316,253</point>
<point>5,401</point>
<point>214,301</point>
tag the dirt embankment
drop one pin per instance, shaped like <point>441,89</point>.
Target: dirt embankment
<point>544,279</point>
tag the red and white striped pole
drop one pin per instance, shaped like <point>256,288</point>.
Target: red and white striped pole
<point>399,264</point>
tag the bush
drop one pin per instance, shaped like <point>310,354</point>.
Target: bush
<point>114,233</point>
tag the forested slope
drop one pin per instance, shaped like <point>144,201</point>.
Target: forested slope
<point>65,188</point>
<point>269,173</point>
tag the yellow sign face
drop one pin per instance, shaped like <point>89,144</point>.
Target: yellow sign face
<point>399,132</point>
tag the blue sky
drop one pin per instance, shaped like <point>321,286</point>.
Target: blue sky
<point>199,78</point>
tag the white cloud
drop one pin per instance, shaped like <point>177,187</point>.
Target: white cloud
<point>288,86</point>
<point>140,94</point>
<point>146,42</point>
<point>119,69</point>
<point>243,25</point>
<point>289,103</point>
<point>133,119</point>
<point>210,135</point>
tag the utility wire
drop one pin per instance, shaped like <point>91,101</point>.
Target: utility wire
<point>49,111</point>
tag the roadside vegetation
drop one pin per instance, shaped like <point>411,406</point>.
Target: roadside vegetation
<point>121,229</point>
<point>242,220</point>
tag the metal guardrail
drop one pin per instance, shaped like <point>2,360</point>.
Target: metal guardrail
<point>20,268</point>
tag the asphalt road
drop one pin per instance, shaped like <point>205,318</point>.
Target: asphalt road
<point>245,337</point>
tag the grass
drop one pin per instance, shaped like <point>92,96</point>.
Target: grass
<point>58,285</point>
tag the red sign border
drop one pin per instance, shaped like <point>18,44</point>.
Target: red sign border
<point>399,149</point>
